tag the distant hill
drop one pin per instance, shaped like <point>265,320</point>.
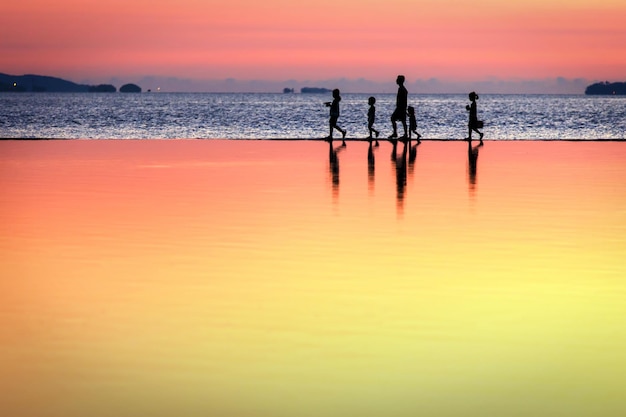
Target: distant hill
<point>606,88</point>
<point>39,83</point>
<point>130,88</point>
<point>44,83</point>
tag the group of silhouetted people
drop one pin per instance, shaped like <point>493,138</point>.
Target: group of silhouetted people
<point>400,114</point>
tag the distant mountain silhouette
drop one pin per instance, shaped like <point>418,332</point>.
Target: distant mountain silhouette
<point>44,83</point>
<point>39,83</point>
<point>606,88</point>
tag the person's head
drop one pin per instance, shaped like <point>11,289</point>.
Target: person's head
<point>400,80</point>
<point>371,101</point>
<point>410,110</point>
<point>473,96</point>
<point>336,93</point>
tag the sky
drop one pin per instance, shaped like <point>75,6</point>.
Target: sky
<point>209,45</point>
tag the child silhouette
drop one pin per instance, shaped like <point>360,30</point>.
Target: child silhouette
<point>334,115</point>
<point>413,124</point>
<point>473,123</point>
<point>371,118</point>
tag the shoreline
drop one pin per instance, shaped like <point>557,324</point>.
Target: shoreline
<point>316,139</point>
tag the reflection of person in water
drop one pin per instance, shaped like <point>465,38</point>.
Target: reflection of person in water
<point>399,163</point>
<point>371,118</point>
<point>334,116</point>
<point>333,165</point>
<point>399,114</point>
<point>371,167</point>
<point>412,157</point>
<point>472,165</point>
<point>474,124</point>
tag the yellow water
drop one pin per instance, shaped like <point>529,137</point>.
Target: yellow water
<point>262,278</point>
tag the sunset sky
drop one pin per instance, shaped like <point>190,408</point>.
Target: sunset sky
<point>276,40</point>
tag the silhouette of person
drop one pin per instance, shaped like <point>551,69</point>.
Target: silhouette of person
<point>399,114</point>
<point>473,123</point>
<point>413,124</point>
<point>334,116</point>
<point>371,118</point>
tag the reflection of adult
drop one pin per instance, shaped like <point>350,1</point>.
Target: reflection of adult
<point>399,114</point>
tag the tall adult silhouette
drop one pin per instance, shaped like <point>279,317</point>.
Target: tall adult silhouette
<point>399,114</point>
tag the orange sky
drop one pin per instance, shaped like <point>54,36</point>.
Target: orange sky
<point>315,39</point>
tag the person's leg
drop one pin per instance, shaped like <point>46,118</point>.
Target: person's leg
<point>481,135</point>
<point>332,123</point>
<point>343,133</point>
<point>394,125</point>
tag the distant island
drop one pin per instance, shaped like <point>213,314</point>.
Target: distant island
<point>314,90</point>
<point>307,90</point>
<point>606,88</point>
<point>130,88</point>
<point>102,88</point>
<point>43,83</point>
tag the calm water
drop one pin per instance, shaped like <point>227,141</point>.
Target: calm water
<point>280,278</point>
<point>236,116</point>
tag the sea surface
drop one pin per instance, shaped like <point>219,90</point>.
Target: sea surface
<point>155,278</point>
<point>276,116</point>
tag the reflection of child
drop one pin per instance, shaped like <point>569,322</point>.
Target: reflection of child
<point>371,118</point>
<point>473,123</point>
<point>334,115</point>
<point>413,123</point>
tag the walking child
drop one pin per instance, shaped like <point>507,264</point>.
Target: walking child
<point>334,115</point>
<point>473,123</point>
<point>371,118</point>
<point>413,124</point>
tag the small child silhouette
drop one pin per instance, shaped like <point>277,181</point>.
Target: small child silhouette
<point>413,124</point>
<point>371,118</point>
<point>334,115</point>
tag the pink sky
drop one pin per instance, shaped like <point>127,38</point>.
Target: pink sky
<point>315,39</point>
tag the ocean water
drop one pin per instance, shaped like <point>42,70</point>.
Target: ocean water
<point>300,278</point>
<point>276,116</point>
